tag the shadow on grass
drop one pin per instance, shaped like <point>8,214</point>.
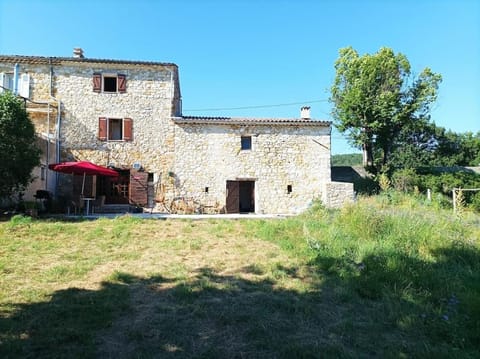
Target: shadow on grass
<point>351,310</point>
<point>412,307</point>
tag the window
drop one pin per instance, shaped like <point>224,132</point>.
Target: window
<point>289,188</point>
<point>246,142</point>
<point>109,83</point>
<point>7,81</point>
<point>115,129</point>
<point>23,85</point>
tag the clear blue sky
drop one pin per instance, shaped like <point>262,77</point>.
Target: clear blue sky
<point>251,53</point>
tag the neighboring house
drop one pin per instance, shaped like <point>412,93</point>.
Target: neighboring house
<point>127,115</point>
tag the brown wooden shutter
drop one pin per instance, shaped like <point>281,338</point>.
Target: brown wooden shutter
<point>138,188</point>
<point>127,129</point>
<point>97,82</point>
<point>232,204</point>
<point>122,83</point>
<point>102,128</point>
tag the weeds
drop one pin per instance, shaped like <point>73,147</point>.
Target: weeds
<point>390,276</point>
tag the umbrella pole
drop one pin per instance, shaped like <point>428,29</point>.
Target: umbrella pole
<point>83,183</point>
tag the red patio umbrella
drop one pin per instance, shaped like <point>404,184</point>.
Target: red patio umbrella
<point>82,168</point>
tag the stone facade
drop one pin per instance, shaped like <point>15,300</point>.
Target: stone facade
<point>187,163</point>
<point>289,161</point>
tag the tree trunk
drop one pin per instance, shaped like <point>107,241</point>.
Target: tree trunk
<point>367,155</point>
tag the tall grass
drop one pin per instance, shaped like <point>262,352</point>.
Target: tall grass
<point>413,269</point>
<point>389,276</point>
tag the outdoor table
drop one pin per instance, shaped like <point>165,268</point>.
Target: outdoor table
<point>87,204</point>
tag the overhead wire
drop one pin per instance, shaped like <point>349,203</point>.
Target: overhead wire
<point>256,106</point>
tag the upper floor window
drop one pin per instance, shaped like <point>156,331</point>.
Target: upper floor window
<point>23,85</point>
<point>115,129</point>
<point>246,142</point>
<point>110,83</point>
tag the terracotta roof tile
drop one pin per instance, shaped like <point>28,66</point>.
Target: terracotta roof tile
<point>256,121</point>
<point>44,60</point>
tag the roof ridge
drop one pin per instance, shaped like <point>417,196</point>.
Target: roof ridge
<point>57,59</point>
<point>226,120</point>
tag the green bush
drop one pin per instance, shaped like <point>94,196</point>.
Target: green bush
<point>405,180</point>
<point>442,183</point>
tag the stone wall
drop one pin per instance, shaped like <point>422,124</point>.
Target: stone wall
<point>151,99</point>
<point>337,194</point>
<point>207,155</point>
<point>147,101</point>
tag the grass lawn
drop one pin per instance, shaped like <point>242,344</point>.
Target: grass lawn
<point>387,277</point>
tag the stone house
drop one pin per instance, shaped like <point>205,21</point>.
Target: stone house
<point>127,115</point>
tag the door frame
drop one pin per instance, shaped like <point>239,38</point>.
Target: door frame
<point>232,200</point>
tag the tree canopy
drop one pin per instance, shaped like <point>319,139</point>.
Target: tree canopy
<point>376,99</point>
<point>18,151</point>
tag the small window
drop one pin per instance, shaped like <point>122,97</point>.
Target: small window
<point>109,84</point>
<point>246,142</point>
<point>115,129</point>
<point>206,189</point>
<point>23,83</point>
<point>289,188</point>
<point>7,81</point>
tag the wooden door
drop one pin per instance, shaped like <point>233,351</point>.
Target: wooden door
<point>233,197</point>
<point>115,189</point>
<point>139,188</point>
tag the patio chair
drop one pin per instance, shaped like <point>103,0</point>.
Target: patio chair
<point>77,207</point>
<point>98,203</point>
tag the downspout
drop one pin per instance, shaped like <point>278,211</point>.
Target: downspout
<point>57,126</point>
<point>47,162</point>
<point>15,78</point>
<point>57,139</point>
<point>48,147</point>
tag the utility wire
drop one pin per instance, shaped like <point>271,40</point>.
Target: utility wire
<point>258,106</point>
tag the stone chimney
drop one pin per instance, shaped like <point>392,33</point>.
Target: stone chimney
<point>78,53</point>
<point>305,112</point>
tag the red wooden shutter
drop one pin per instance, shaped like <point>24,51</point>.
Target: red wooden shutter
<point>122,83</point>
<point>97,82</point>
<point>102,128</point>
<point>127,129</point>
<point>232,204</point>
<point>138,188</point>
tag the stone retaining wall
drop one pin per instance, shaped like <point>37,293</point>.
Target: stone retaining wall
<point>337,194</point>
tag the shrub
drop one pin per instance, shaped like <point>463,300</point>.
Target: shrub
<point>405,180</point>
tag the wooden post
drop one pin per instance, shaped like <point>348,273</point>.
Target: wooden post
<point>454,197</point>
<point>429,194</point>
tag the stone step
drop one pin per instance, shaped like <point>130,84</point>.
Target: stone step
<point>115,208</point>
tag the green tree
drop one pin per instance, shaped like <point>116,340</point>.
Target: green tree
<point>457,149</point>
<point>376,97</point>
<point>349,159</point>
<point>18,151</point>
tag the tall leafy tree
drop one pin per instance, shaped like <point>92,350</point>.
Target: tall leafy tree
<point>18,151</point>
<point>376,97</point>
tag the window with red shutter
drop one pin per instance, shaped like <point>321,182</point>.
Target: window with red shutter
<point>97,82</point>
<point>127,129</point>
<point>102,128</point>
<point>109,83</point>
<point>122,83</point>
<point>115,129</point>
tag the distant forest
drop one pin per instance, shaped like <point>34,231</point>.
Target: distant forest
<point>350,159</point>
